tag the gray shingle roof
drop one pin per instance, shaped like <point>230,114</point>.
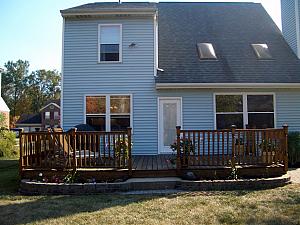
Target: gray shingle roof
<point>231,28</point>
<point>30,119</point>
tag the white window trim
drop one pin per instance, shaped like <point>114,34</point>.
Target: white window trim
<point>120,44</point>
<point>245,109</point>
<point>107,114</point>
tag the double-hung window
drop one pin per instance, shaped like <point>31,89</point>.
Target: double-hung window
<point>110,39</point>
<point>108,112</point>
<point>119,112</point>
<point>96,112</point>
<point>254,110</point>
<point>260,111</point>
<point>229,111</point>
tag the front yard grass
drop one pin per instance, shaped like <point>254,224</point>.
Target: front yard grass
<point>269,207</point>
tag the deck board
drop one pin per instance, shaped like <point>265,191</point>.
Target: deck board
<point>164,162</point>
<point>152,162</point>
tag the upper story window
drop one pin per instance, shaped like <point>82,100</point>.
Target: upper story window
<point>206,51</point>
<point>262,51</point>
<point>110,42</point>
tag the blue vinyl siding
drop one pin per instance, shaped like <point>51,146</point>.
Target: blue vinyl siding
<point>288,109</point>
<point>83,75</point>
<point>288,14</point>
<point>197,107</point>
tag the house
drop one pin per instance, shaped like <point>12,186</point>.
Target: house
<point>50,114</point>
<point>153,66</point>
<point>30,122</point>
<point>48,117</point>
<point>4,110</point>
<point>291,23</point>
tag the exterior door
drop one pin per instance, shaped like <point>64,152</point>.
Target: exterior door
<point>169,118</point>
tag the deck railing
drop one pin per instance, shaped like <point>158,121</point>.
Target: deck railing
<point>233,146</point>
<point>75,149</point>
<point>195,148</point>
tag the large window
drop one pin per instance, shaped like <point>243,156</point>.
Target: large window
<point>256,111</point>
<point>110,38</point>
<point>108,113</point>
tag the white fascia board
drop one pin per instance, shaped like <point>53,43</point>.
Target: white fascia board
<point>102,13</point>
<point>225,85</point>
<point>52,103</point>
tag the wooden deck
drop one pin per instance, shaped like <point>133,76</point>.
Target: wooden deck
<point>107,155</point>
<point>154,162</point>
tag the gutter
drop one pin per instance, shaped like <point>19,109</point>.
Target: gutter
<point>225,85</point>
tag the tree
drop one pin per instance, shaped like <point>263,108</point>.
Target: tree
<point>42,85</point>
<point>13,84</point>
<point>27,93</point>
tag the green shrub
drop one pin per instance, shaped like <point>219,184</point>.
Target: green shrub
<point>7,143</point>
<point>294,148</point>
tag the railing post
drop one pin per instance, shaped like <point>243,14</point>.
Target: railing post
<point>233,128</point>
<point>285,151</point>
<point>73,136</point>
<point>21,153</point>
<point>129,129</point>
<point>178,158</point>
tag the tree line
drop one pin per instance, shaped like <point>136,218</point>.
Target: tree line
<point>27,92</point>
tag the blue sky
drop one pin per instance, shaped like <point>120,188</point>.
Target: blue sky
<point>32,29</point>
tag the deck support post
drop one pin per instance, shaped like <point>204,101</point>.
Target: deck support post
<point>73,138</point>
<point>285,150</point>
<point>21,153</point>
<point>178,158</point>
<point>129,129</point>
<point>233,128</point>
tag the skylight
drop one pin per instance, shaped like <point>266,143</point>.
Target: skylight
<point>262,51</point>
<point>206,51</point>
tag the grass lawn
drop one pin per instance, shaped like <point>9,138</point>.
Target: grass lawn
<point>276,206</point>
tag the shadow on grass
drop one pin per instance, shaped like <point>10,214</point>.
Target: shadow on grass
<point>32,209</point>
<point>274,221</point>
<point>52,207</point>
<point>9,176</point>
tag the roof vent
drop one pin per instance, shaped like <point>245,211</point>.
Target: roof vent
<point>206,51</point>
<point>262,51</point>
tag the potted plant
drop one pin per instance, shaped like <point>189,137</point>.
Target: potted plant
<point>186,148</point>
<point>121,149</point>
<point>57,159</point>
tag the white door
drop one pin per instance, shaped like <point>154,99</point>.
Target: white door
<point>169,118</point>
